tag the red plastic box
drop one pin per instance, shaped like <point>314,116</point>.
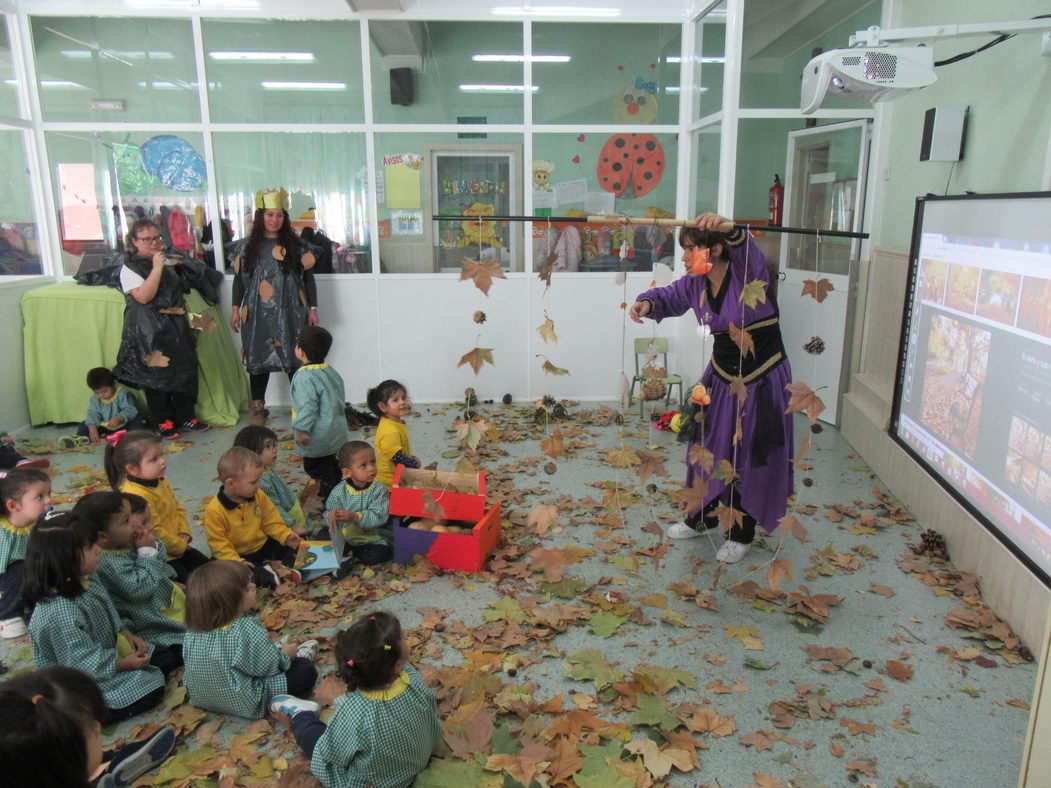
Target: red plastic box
<point>456,496</point>
<point>457,552</point>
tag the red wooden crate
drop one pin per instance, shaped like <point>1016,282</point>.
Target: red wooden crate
<point>455,496</point>
<point>457,552</point>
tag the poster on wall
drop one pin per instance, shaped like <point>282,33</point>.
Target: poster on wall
<point>571,192</point>
<point>599,203</point>
<point>401,174</point>
<point>406,223</point>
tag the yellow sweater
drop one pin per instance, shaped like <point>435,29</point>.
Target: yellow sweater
<point>169,516</point>
<point>391,437</point>
<point>237,529</point>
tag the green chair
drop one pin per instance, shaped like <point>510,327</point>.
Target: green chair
<point>647,348</point>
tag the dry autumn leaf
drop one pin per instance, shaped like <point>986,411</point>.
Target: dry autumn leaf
<point>691,498</point>
<point>754,292</point>
<point>624,457</point>
<point>794,527</point>
<point>553,445</point>
<point>546,330</point>
<point>482,273</point>
<point>477,357</point>
<point>743,340</point>
<point>797,461</point>
<point>545,268</point>
<point>780,569</point>
<point>899,670</point>
<point>659,762</point>
<point>551,369</point>
<point>804,399</point>
<point>738,389</point>
<point>651,464</point>
<point>701,457</point>
<point>543,517</point>
<point>818,289</point>
<point>766,781</point>
<point>707,720</point>
<point>748,636</point>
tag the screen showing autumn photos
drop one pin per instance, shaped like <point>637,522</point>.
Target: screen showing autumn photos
<point>973,400</point>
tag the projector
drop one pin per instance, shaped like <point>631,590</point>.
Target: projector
<point>867,74</point>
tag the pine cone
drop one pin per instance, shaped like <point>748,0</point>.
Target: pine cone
<point>654,389</point>
<point>469,397</point>
<point>559,412</point>
<point>815,347</point>
<point>932,542</point>
<point>548,401</point>
<point>508,399</point>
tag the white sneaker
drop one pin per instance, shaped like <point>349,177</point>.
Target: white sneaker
<point>732,552</point>
<point>308,650</point>
<point>290,705</point>
<point>12,628</point>
<point>681,531</point>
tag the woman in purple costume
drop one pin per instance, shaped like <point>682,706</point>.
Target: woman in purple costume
<point>762,457</point>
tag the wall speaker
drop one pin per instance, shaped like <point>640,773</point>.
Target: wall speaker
<point>943,133</point>
<point>401,86</point>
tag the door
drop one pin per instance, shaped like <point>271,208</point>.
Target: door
<point>824,190</point>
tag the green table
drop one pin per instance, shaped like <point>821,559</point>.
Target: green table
<point>70,328</point>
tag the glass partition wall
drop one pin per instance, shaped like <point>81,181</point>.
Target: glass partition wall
<point>375,125</point>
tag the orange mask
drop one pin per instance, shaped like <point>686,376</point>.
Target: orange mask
<point>699,262</point>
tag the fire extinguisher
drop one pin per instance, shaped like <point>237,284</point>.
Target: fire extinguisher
<point>777,201</point>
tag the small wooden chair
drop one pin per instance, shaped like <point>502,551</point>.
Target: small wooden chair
<point>645,348</point>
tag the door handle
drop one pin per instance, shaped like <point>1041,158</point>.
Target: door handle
<point>782,276</point>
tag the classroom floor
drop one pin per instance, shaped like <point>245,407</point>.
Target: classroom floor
<point>596,652</point>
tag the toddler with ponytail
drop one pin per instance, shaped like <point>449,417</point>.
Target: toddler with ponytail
<point>385,727</point>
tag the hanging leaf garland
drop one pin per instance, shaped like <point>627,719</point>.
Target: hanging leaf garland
<point>551,369</point>
<point>477,357</point>
<point>546,330</point>
<point>818,290</point>
<point>482,273</point>
<point>754,292</point>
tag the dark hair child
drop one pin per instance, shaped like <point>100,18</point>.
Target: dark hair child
<point>25,495</point>
<point>135,464</point>
<point>110,408</point>
<point>36,709</point>
<point>390,401</point>
<point>74,622</point>
<point>385,727</point>
<point>263,441</point>
<point>134,571</point>
<point>232,666</point>
<point>319,421</point>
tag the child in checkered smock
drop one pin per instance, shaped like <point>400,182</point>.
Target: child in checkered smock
<point>74,622</point>
<point>232,666</point>
<point>385,728</point>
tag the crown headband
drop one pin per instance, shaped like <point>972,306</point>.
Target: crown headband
<point>271,198</point>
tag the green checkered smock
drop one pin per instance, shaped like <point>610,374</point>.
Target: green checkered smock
<point>281,496</point>
<point>381,739</point>
<point>13,541</point>
<point>234,670</point>
<point>82,633</point>
<point>318,409</point>
<point>144,594</point>
<point>374,505</point>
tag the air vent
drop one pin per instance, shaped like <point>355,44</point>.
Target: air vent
<point>852,60</point>
<point>880,66</point>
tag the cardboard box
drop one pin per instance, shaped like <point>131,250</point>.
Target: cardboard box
<point>447,495</point>
<point>458,552</point>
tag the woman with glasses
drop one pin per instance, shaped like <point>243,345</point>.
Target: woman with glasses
<point>157,351</point>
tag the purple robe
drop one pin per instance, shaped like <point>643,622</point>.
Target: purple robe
<point>763,456</point>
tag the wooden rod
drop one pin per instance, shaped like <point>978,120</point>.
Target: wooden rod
<point>646,222</point>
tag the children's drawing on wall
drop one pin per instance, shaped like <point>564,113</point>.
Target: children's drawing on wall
<point>543,195</point>
<point>165,160</point>
<point>630,165</point>
<point>637,103</point>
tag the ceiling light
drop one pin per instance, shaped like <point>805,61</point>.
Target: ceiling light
<point>677,59</point>
<point>85,54</point>
<point>555,10</point>
<point>264,57</point>
<point>495,88</point>
<point>520,58</point>
<point>50,83</point>
<point>304,85</point>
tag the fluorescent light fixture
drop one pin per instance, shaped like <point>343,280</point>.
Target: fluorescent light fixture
<point>51,83</point>
<point>264,57</point>
<point>677,59</point>
<point>304,85</point>
<point>85,54</point>
<point>520,58</point>
<point>496,88</point>
<point>555,10</point>
<point>162,85</point>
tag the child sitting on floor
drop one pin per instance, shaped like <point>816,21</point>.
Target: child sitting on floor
<point>110,408</point>
<point>241,522</point>
<point>74,623</point>
<point>135,464</point>
<point>232,666</point>
<point>384,728</point>
<point>59,712</point>
<point>317,409</point>
<point>24,496</point>
<point>134,571</point>
<point>263,441</point>
<point>360,505</point>
<point>390,401</point>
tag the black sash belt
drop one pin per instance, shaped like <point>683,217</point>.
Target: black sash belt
<point>729,363</point>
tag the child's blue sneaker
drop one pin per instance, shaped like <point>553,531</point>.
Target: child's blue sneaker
<point>148,757</point>
<point>290,705</point>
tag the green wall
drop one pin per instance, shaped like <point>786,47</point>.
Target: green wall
<point>1007,89</point>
